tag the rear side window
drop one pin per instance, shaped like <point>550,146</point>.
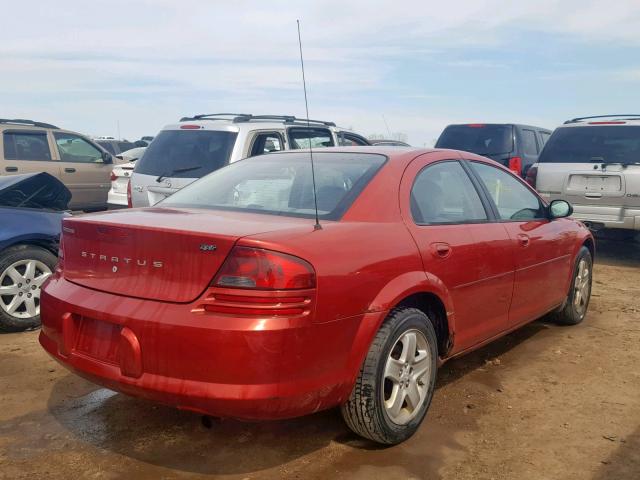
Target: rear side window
<point>281,184</point>
<point>314,137</point>
<point>443,193</point>
<point>266,143</point>
<point>186,153</point>
<point>73,148</point>
<point>513,200</point>
<point>482,139</point>
<point>529,144</point>
<point>599,144</point>
<point>26,146</point>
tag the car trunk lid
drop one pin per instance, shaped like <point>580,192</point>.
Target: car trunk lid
<point>156,253</point>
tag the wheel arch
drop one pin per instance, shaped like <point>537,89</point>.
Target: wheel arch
<point>411,289</point>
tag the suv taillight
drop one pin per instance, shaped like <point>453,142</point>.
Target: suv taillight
<point>255,268</point>
<point>532,176</point>
<point>129,202</point>
<point>515,165</point>
<point>114,177</point>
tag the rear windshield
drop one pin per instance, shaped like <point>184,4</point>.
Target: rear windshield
<point>186,153</point>
<point>281,184</point>
<point>604,144</point>
<point>479,139</point>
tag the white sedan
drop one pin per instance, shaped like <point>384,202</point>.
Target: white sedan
<point>120,176</point>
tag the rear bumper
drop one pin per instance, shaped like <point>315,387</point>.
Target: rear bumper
<point>249,368</point>
<point>608,216</point>
<point>116,200</point>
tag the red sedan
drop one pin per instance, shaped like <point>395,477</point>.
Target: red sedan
<point>227,299</point>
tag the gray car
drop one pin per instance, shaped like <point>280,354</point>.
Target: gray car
<point>594,163</point>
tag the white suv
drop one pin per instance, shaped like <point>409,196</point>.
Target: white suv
<point>183,152</point>
<point>594,163</point>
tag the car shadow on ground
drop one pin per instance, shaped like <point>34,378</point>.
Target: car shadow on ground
<point>170,438</point>
<point>619,253</point>
<point>624,463</point>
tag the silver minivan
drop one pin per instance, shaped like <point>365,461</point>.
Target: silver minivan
<point>594,163</point>
<point>183,152</point>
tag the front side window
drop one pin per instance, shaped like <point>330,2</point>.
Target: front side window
<point>350,140</point>
<point>314,137</point>
<point>529,145</point>
<point>544,136</point>
<point>26,146</point>
<point>443,193</point>
<point>281,184</point>
<point>266,143</point>
<point>513,200</point>
<point>73,148</point>
<point>187,153</point>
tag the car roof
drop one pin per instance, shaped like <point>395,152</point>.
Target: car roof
<point>520,125</point>
<point>236,122</point>
<point>603,120</point>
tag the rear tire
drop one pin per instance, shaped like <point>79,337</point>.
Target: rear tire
<point>396,382</point>
<point>23,269</point>
<point>577,302</point>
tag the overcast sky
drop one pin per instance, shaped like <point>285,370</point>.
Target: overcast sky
<point>85,65</point>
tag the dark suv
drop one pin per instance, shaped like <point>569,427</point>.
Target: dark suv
<point>515,146</point>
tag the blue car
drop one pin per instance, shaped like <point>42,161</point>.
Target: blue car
<point>31,210</point>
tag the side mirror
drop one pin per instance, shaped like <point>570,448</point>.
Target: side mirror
<point>107,158</point>
<point>560,209</point>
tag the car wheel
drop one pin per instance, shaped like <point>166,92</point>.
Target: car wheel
<point>396,382</point>
<point>577,302</point>
<point>23,270</point>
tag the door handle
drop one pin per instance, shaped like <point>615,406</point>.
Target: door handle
<point>441,249</point>
<point>11,169</point>
<point>70,170</point>
<point>524,240</point>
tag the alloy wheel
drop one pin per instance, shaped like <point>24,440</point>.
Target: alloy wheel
<point>406,377</point>
<point>20,285</point>
<point>582,288</point>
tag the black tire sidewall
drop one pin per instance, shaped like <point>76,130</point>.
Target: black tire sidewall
<point>14,254</point>
<point>408,320</point>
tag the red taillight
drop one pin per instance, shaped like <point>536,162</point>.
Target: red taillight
<point>532,175</point>
<point>254,268</point>
<point>129,202</point>
<point>515,165</point>
<point>607,123</point>
<point>114,177</point>
<point>476,125</point>
<point>190,127</point>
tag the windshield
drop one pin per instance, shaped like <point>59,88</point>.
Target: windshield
<point>482,139</point>
<point>281,184</point>
<point>186,153</point>
<point>605,144</point>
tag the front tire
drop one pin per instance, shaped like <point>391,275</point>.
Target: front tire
<point>577,302</point>
<point>23,270</point>
<point>395,385</point>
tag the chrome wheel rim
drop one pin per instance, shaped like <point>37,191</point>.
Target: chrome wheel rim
<point>582,288</point>
<point>407,375</point>
<point>20,285</point>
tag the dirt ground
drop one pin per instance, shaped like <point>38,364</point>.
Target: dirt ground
<point>545,402</point>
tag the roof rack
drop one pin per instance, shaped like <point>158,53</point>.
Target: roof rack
<point>246,117</point>
<point>20,121</point>
<point>620,117</point>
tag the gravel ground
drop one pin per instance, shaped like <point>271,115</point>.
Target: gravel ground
<point>545,402</point>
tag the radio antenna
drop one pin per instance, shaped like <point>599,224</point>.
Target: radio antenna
<point>317,226</point>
